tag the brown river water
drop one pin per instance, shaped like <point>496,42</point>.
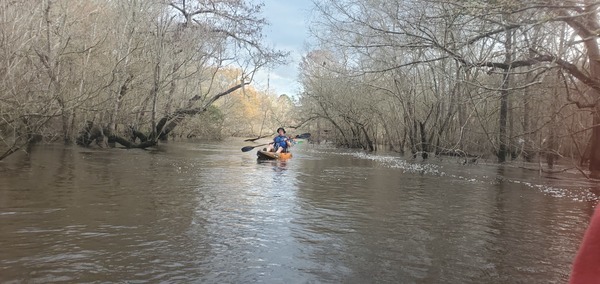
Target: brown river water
<point>208,213</point>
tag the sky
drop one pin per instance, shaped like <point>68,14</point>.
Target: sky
<point>287,31</point>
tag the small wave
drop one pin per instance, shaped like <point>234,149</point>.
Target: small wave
<point>576,194</point>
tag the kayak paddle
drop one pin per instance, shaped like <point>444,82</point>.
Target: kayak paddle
<point>249,148</point>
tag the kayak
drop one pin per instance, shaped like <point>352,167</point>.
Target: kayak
<point>264,155</point>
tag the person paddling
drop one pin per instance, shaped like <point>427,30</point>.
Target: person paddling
<point>280,144</point>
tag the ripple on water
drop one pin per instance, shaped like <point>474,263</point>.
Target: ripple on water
<point>208,214</point>
<point>577,193</point>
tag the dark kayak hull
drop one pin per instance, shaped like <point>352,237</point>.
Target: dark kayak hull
<point>264,155</point>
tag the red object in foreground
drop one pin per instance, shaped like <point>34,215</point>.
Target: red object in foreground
<point>586,267</point>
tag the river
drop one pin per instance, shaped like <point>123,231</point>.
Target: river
<point>208,213</point>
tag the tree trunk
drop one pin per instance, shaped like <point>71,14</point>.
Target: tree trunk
<point>584,26</point>
<point>527,142</point>
<point>370,146</point>
<point>503,139</point>
<point>511,130</point>
<point>112,125</point>
<point>154,95</point>
<point>552,147</point>
<point>595,145</point>
<point>424,143</point>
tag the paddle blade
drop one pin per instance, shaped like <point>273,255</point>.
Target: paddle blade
<point>247,148</point>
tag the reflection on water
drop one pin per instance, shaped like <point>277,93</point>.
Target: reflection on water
<point>276,165</point>
<point>206,213</point>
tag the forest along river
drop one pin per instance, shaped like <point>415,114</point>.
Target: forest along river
<point>208,213</point>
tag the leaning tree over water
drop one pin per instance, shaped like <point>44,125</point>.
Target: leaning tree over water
<point>121,68</point>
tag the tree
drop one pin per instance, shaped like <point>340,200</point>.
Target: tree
<point>500,49</point>
<point>121,68</point>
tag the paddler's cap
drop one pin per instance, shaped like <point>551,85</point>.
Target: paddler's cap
<point>280,128</point>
